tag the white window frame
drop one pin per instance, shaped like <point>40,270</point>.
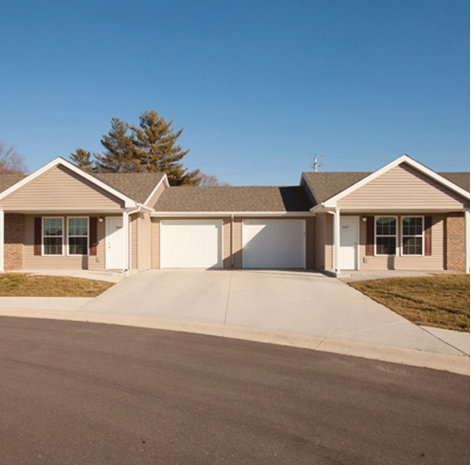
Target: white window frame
<point>43,235</point>
<point>88,237</point>
<point>396,236</point>
<point>408,235</point>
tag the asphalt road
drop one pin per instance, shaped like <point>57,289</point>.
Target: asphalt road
<point>80,393</point>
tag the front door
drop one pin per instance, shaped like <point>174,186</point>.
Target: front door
<point>348,242</point>
<point>115,250</point>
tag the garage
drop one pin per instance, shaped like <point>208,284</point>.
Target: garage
<point>191,243</point>
<point>274,244</point>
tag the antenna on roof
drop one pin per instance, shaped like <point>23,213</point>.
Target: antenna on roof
<point>316,163</point>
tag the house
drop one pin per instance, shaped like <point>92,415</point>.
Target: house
<point>403,216</point>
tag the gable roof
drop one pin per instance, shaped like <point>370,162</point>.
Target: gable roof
<point>233,199</point>
<point>330,187</point>
<point>137,186</point>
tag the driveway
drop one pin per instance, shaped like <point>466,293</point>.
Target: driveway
<point>303,303</point>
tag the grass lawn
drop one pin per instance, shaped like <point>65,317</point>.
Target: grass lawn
<point>28,285</point>
<point>441,300</point>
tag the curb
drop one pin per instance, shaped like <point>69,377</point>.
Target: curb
<point>451,363</point>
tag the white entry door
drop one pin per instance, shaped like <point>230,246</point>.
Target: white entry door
<point>191,244</point>
<point>115,250</point>
<point>348,242</point>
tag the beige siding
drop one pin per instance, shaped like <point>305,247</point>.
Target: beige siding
<point>143,243</point>
<point>153,200</point>
<point>155,243</point>
<point>37,262</point>
<point>60,189</point>
<point>323,242</point>
<point>237,244</point>
<point>310,243</point>
<point>398,262</point>
<point>227,244</point>
<point>402,188</point>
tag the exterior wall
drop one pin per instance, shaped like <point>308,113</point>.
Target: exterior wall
<point>60,189</point>
<point>144,261</point>
<point>310,243</point>
<point>38,262</point>
<point>232,240</point>
<point>402,188</point>
<point>13,247</point>
<point>323,242</point>
<point>398,262</point>
<point>455,242</point>
<point>155,243</point>
<point>153,200</point>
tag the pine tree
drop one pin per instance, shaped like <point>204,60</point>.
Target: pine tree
<point>119,156</point>
<point>83,159</point>
<point>156,150</point>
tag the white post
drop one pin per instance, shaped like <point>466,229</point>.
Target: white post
<point>337,240</point>
<point>2,241</point>
<point>467,241</point>
<point>127,245</point>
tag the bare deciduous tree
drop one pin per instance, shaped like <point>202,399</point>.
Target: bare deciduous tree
<point>11,162</point>
<point>210,180</point>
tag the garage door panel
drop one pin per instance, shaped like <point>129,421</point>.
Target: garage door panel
<point>274,244</point>
<point>191,244</point>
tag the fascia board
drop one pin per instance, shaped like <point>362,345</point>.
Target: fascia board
<point>332,202</point>
<point>128,202</point>
<point>228,214</point>
<point>164,180</point>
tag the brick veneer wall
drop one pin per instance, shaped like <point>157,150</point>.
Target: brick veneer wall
<point>455,242</point>
<point>14,238</point>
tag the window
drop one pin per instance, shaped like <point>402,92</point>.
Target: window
<point>52,236</point>
<point>412,235</point>
<point>386,234</point>
<point>77,236</point>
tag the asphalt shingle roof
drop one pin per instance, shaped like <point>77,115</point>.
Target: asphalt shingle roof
<point>137,186</point>
<point>7,180</point>
<point>231,198</point>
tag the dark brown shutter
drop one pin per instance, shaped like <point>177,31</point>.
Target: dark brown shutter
<point>93,235</point>
<point>370,235</point>
<point>428,235</point>
<point>37,236</point>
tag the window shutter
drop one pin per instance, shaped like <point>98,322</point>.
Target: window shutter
<point>37,236</point>
<point>93,235</point>
<point>370,235</point>
<point>428,235</point>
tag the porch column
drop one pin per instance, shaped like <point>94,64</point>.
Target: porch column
<point>336,240</point>
<point>2,241</point>
<point>127,245</point>
<point>467,241</point>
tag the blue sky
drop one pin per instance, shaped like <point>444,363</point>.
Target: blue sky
<point>258,86</point>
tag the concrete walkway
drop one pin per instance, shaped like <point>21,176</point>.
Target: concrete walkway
<point>301,309</point>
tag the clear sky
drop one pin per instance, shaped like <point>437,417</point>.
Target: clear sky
<point>259,86</point>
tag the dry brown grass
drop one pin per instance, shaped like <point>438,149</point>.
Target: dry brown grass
<point>27,285</point>
<point>440,300</point>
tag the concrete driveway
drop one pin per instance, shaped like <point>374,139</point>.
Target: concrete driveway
<point>303,303</point>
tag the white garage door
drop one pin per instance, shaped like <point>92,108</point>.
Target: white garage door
<point>274,244</point>
<point>191,244</point>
